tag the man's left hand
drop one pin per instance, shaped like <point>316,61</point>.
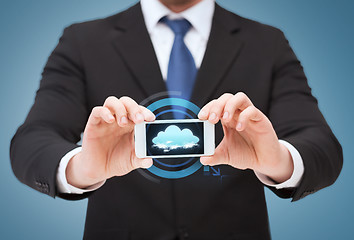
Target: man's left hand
<point>250,141</point>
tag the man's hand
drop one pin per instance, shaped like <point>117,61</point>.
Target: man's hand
<point>250,141</point>
<point>108,143</point>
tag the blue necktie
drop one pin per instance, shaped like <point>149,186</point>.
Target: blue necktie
<point>181,67</point>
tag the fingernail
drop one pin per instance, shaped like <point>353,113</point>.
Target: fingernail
<point>238,126</point>
<point>110,118</point>
<point>123,120</point>
<point>202,114</point>
<point>226,115</point>
<point>212,116</point>
<point>139,117</point>
<point>152,116</point>
<point>146,163</point>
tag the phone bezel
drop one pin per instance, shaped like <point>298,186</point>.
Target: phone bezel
<point>140,138</point>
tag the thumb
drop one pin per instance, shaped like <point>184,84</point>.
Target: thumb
<point>218,158</point>
<point>141,162</point>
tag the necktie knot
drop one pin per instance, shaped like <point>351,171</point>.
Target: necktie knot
<point>179,26</point>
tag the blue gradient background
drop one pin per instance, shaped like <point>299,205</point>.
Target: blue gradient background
<point>322,35</point>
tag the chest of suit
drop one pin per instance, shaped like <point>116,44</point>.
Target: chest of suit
<point>122,62</point>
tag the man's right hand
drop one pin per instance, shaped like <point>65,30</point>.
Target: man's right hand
<point>108,143</point>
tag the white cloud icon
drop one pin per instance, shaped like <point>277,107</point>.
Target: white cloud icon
<point>173,138</point>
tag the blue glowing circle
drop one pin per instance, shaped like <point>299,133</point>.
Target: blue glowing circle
<point>174,101</point>
<point>173,110</point>
<point>197,165</point>
<point>176,165</point>
<point>175,174</point>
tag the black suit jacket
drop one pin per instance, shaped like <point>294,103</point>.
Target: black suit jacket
<point>115,56</point>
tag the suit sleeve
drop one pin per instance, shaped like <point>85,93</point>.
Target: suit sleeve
<point>57,118</point>
<point>297,119</point>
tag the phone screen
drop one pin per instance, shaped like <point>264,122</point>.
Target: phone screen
<point>174,138</point>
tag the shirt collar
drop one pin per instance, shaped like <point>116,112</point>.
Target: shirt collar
<point>200,15</point>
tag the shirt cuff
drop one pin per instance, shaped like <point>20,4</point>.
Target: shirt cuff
<point>295,178</point>
<point>62,183</point>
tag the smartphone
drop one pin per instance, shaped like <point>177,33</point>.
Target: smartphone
<point>174,138</point>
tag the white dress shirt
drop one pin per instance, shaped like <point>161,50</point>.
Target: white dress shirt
<point>162,37</point>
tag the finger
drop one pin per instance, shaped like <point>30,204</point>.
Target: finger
<point>117,107</point>
<point>148,115</point>
<point>100,114</point>
<point>204,112</point>
<point>250,114</point>
<point>216,159</point>
<point>217,108</point>
<point>141,162</point>
<point>133,109</point>
<point>239,101</point>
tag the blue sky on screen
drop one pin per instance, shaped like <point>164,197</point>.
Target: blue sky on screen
<point>174,138</point>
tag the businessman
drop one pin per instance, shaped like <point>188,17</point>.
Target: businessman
<point>248,81</point>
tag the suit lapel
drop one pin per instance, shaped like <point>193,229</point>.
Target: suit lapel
<point>222,50</point>
<point>133,43</point>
